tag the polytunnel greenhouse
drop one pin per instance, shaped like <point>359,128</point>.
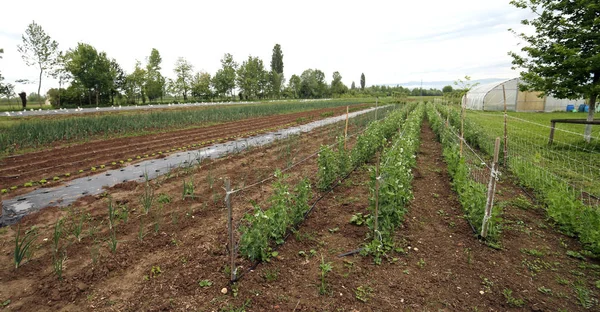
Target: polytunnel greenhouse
<point>489,97</point>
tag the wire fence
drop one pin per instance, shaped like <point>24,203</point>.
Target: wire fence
<point>569,160</point>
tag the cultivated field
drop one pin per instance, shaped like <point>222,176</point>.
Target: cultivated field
<point>387,218</point>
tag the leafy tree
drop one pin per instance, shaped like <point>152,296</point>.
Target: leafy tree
<point>252,77</point>
<point>90,70</point>
<point>294,85</point>
<point>38,49</point>
<point>447,89</point>
<point>313,84</point>
<point>562,58</point>
<point>201,86</point>
<point>353,86</point>
<point>362,81</point>
<point>135,84</point>
<point>337,86</point>
<point>155,82</point>
<point>119,80</point>
<point>183,70</point>
<point>225,78</point>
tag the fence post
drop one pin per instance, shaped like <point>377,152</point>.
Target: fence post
<point>462,125</point>
<point>376,107</point>
<point>230,227</point>
<point>346,131</point>
<point>376,196</point>
<point>505,161</point>
<point>490,191</point>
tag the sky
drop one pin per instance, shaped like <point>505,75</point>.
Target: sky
<point>389,41</point>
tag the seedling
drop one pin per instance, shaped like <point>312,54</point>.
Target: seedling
<point>518,303</point>
<point>205,283</point>
<point>325,268</point>
<point>363,293</point>
<point>22,244</point>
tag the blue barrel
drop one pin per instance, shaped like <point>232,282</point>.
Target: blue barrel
<point>570,107</point>
<point>581,108</point>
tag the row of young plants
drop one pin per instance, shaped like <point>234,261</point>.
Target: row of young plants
<point>40,132</point>
<point>471,194</point>
<point>124,162</point>
<point>334,165</point>
<point>562,202</point>
<point>390,187</point>
<point>288,206</point>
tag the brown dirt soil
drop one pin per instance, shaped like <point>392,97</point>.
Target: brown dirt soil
<point>18,169</point>
<point>444,267</point>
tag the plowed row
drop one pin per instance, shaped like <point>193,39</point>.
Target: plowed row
<point>19,169</point>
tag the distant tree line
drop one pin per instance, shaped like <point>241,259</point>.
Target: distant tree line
<point>94,78</point>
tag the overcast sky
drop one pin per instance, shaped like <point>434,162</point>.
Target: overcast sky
<point>390,41</point>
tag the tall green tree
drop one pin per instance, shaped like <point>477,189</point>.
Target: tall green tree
<point>353,86</point>
<point>562,57</point>
<point>90,70</point>
<point>135,84</point>
<point>277,78</point>
<point>183,70</point>
<point>118,80</point>
<point>252,77</point>
<point>38,49</point>
<point>200,86</point>
<point>155,82</point>
<point>225,78</point>
<point>362,81</point>
<point>313,84</point>
<point>337,86</point>
<point>294,85</point>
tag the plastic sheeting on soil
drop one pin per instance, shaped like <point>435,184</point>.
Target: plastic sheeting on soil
<point>63,195</point>
<point>490,97</point>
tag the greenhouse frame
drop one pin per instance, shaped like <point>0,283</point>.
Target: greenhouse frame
<point>490,97</point>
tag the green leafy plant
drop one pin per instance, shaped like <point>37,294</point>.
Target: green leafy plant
<point>59,253</point>
<point>512,301</point>
<point>23,245</point>
<point>325,268</point>
<point>147,198</point>
<point>363,293</point>
<point>205,283</point>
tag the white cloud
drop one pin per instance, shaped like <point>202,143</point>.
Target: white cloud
<point>390,41</point>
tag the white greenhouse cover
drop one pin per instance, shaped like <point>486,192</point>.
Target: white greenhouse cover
<point>490,97</point>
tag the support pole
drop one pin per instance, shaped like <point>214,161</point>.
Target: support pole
<point>505,160</point>
<point>376,196</point>
<point>376,107</point>
<point>230,227</point>
<point>552,125</point>
<point>346,131</point>
<point>490,192</point>
<point>462,124</point>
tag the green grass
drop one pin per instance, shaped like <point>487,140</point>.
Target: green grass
<point>569,158</point>
<point>39,132</point>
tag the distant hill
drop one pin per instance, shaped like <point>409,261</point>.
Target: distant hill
<point>440,84</point>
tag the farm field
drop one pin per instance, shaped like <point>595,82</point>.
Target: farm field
<point>174,255</point>
<point>78,159</point>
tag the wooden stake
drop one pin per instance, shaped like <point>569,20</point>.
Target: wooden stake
<point>462,124</point>
<point>230,227</point>
<point>505,161</point>
<point>376,196</point>
<point>490,192</point>
<point>346,131</point>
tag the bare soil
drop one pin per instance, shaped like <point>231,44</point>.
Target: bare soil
<point>442,266</point>
<point>56,162</point>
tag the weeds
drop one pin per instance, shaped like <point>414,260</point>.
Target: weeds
<point>363,293</point>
